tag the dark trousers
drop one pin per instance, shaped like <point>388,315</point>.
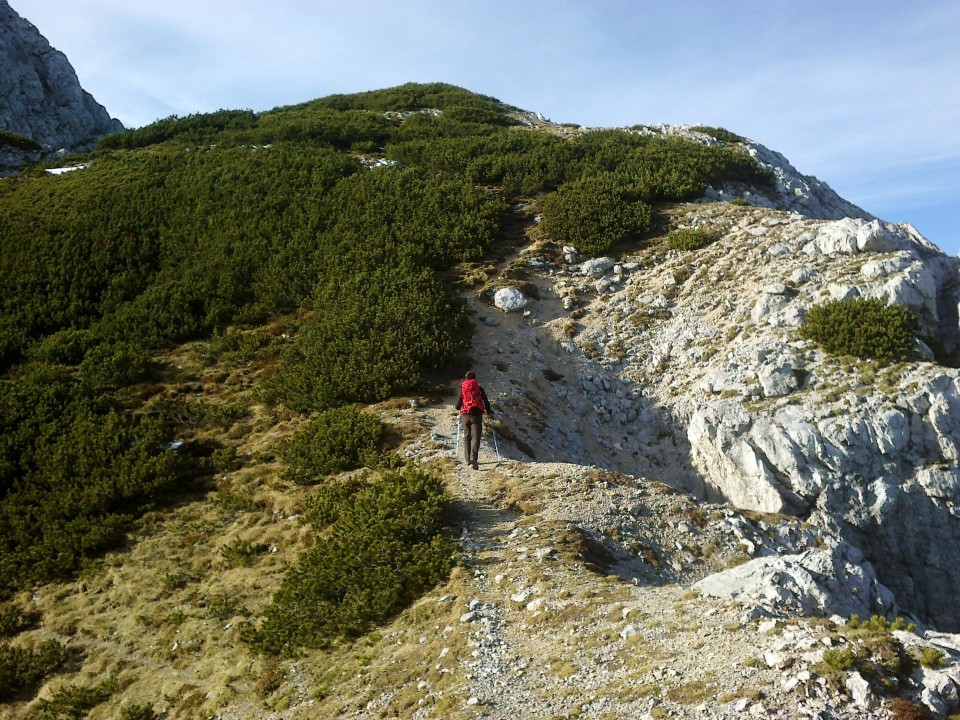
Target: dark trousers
<point>472,427</point>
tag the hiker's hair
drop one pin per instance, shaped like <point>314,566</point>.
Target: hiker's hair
<point>471,375</point>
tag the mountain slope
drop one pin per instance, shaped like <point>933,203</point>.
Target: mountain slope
<point>685,501</point>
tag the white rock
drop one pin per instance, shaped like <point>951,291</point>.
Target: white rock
<point>859,690</point>
<point>596,267</point>
<point>509,299</point>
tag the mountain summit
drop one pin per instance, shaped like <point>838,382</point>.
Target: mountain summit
<point>40,95</point>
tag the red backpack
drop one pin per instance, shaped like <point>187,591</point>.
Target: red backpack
<point>470,391</point>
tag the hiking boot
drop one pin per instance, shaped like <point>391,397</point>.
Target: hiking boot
<point>476,465</point>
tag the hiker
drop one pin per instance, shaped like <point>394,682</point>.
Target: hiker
<point>472,403</point>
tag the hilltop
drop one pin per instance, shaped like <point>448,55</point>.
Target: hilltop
<point>228,344</point>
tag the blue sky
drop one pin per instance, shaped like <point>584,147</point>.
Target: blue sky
<point>863,94</point>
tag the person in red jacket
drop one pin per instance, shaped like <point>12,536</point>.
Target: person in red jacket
<point>472,404</point>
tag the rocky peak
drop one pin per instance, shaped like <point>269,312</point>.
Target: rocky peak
<point>40,95</point>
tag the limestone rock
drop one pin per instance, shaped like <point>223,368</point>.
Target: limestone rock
<point>596,267</point>
<point>816,583</point>
<point>40,95</point>
<point>510,299</point>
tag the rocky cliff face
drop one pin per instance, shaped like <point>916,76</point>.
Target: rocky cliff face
<point>689,367</point>
<point>41,97</point>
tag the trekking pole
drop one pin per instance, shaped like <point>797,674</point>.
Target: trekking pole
<point>495,445</point>
<point>456,452</point>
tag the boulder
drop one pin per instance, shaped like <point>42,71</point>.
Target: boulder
<point>816,583</point>
<point>510,299</point>
<point>597,267</point>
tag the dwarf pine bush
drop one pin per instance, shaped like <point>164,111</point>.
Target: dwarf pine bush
<point>22,671</point>
<point>689,239</point>
<point>864,328</point>
<point>335,440</point>
<point>594,214</point>
<point>382,543</point>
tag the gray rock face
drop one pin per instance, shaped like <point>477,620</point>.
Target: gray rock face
<point>40,95</point>
<point>768,420</point>
<point>815,583</point>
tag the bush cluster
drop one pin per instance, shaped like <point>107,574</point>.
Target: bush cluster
<point>75,701</point>
<point>22,670</point>
<point>864,328</point>
<point>594,214</point>
<point>75,469</point>
<point>382,543</point>
<point>12,139</point>
<point>689,239</point>
<point>334,440</point>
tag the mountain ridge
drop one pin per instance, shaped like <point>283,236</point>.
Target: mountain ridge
<point>634,392</point>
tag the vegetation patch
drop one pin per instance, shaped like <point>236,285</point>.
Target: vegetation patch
<point>382,543</point>
<point>75,701</point>
<point>332,441</point>
<point>864,328</point>
<point>689,239</point>
<point>22,670</point>
<point>719,133</point>
<point>12,139</point>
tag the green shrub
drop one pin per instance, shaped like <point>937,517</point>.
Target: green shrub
<point>12,139</point>
<point>376,334</point>
<point>14,619</point>
<point>75,469</point>
<point>931,657</point>
<point>740,202</point>
<point>689,239</point>
<point>382,544</point>
<point>594,214</point>
<point>865,328</point>
<point>877,624</point>
<point>841,659</point>
<point>74,701</point>
<point>138,711</point>
<point>334,440</point>
<point>22,671</point>
<point>115,365</point>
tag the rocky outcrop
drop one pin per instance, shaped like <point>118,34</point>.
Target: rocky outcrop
<point>816,583</point>
<point>707,342</point>
<point>40,95</point>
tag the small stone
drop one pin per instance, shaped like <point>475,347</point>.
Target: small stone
<point>474,700</point>
<point>767,627</point>
<point>469,616</point>
<point>535,605</point>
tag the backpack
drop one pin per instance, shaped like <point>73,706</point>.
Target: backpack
<point>470,391</point>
